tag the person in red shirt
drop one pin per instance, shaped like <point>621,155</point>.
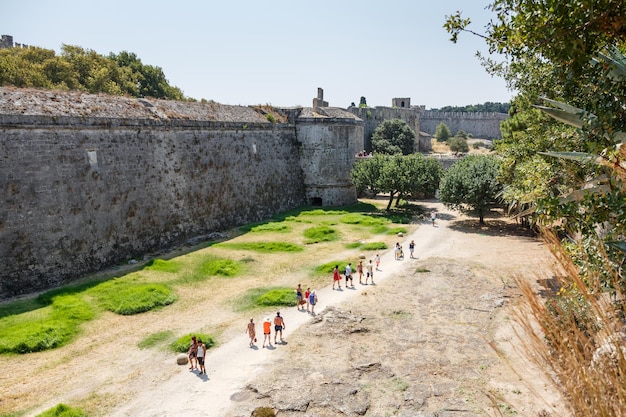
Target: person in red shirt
<point>336,277</point>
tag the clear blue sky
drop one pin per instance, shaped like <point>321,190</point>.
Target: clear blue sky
<point>279,51</point>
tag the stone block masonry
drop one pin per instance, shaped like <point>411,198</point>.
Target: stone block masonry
<point>82,197</point>
<point>92,181</point>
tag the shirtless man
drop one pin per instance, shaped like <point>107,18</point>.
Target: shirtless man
<point>370,272</point>
<point>279,326</point>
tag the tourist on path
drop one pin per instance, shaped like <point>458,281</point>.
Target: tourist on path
<point>279,325</point>
<point>251,332</point>
<point>313,301</point>
<point>377,258</point>
<point>306,297</point>
<point>201,356</point>
<point>433,216</point>
<point>349,274</point>
<point>299,300</point>
<point>359,269</point>
<point>412,248</point>
<point>370,272</point>
<point>267,331</point>
<point>336,277</point>
<point>193,353</point>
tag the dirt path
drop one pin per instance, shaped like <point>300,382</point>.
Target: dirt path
<point>416,342</point>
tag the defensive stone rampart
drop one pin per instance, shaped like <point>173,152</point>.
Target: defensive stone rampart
<point>480,125</point>
<point>86,188</point>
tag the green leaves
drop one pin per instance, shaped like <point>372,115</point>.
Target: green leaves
<point>393,137</point>
<point>471,185</point>
<point>397,175</point>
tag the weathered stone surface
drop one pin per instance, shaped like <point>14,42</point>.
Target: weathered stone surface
<point>93,181</point>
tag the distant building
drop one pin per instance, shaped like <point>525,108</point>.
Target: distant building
<point>6,41</point>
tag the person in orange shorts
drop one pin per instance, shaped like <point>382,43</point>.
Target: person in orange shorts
<point>267,331</point>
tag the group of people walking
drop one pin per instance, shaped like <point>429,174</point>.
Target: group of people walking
<point>308,298</point>
<point>305,299</point>
<point>365,271</point>
<point>279,326</point>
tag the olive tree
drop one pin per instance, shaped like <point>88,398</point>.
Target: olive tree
<point>471,185</point>
<point>392,137</point>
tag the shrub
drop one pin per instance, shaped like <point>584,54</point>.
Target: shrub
<point>442,132</point>
<point>458,144</point>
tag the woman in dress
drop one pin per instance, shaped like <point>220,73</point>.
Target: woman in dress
<point>251,332</point>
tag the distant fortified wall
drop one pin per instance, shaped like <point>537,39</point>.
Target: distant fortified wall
<point>480,125</point>
<point>424,122</point>
<point>6,41</point>
<point>374,116</point>
<point>91,181</point>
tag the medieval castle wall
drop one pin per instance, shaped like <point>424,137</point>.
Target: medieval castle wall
<point>481,125</point>
<point>374,116</point>
<point>93,181</point>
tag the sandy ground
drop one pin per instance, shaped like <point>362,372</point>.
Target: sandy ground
<point>453,347</point>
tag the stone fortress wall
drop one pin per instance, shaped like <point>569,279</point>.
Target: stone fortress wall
<point>480,125</point>
<point>424,122</point>
<point>92,181</point>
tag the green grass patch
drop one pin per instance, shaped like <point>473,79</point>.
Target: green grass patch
<point>280,227</point>
<point>125,297</point>
<point>353,245</point>
<point>396,230</point>
<point>45,328</point>
<point>373,246</point>
<point>47,297</point>
<point>155,339</point>
<point>62,410</point>
<point>13,308</point>
<point>213,266</point>
<point>163,266</point>
<point>363,220</point>
<point>263,247</point>
<point>181,345</point>
<point>220,267</point>
<point>267,297</point>
<point>421,270</point>
<point>319,234</point>
<point>328,267</point>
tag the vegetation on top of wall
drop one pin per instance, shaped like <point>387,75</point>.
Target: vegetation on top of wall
<point>85,70</point>
<point>487,107</point>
